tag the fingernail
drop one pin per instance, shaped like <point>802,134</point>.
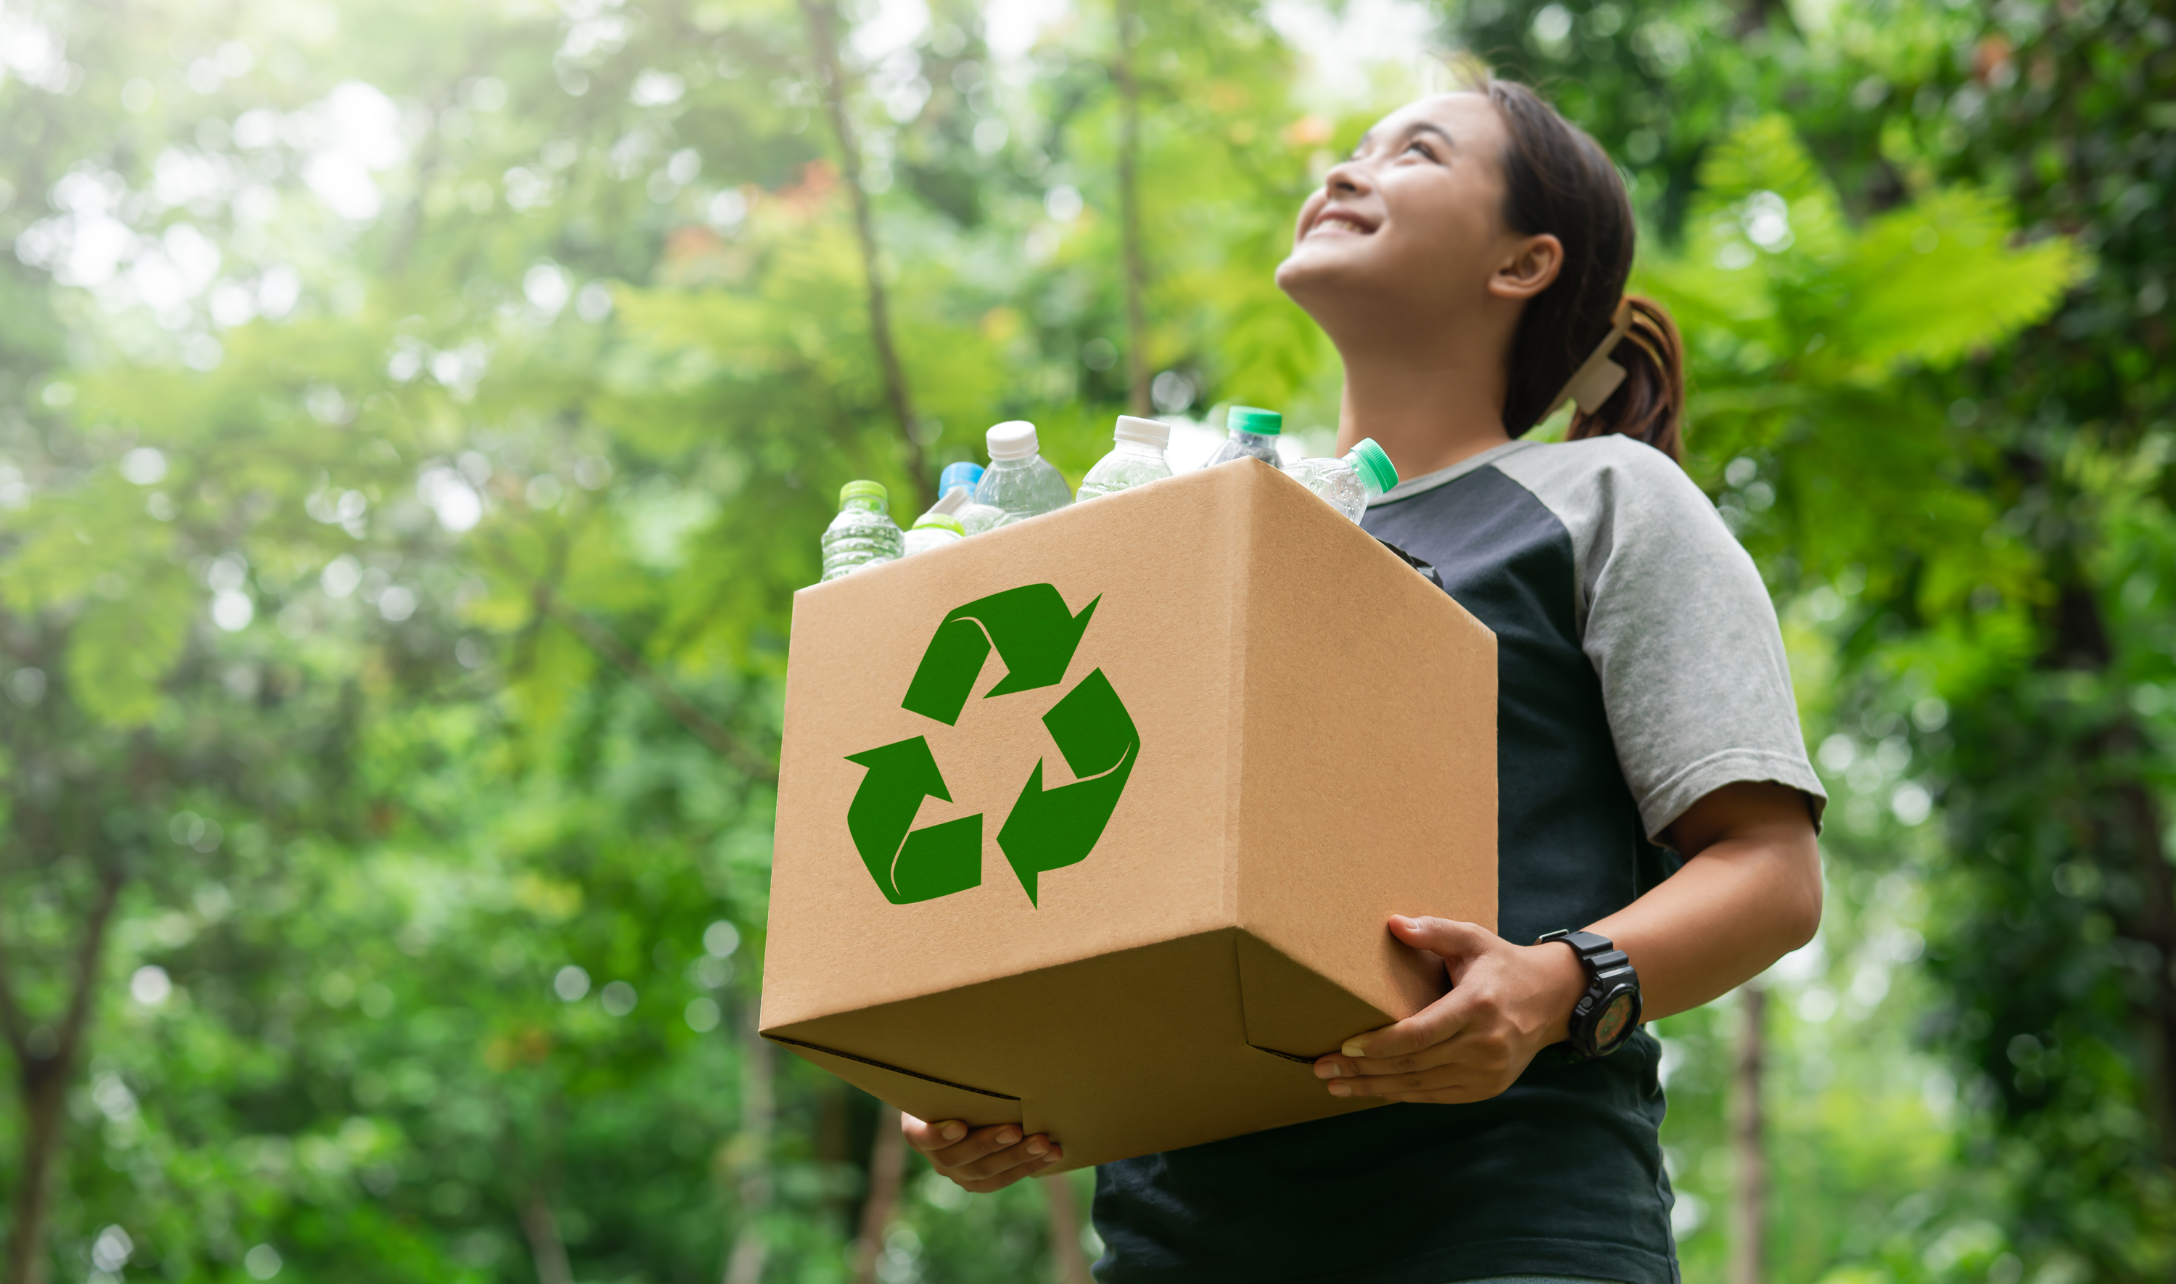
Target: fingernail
<point>1327,1070</point>
<point>1352,1048</point>
<point>1340,1088</point>
<point>1008,1136</point>
<point>953,1131</point>
<point>1037,1146</point>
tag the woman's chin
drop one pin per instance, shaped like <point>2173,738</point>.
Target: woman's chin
<point>1315,269</point>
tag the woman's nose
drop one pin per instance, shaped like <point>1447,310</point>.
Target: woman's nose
<point>1346,178</point>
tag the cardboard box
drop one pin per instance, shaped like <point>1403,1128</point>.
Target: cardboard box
<point>1170,758</point>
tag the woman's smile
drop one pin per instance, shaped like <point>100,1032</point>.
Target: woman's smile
<point>1340,223</point>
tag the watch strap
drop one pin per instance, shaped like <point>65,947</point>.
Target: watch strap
<point>1606,968</point>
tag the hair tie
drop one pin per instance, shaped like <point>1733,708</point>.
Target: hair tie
<point>1592,383</point>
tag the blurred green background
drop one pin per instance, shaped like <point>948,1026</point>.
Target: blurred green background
<point>414,419</point>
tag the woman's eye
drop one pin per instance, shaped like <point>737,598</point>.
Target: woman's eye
<point>1421,147</point>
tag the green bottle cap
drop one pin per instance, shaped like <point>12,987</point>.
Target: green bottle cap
<point>945,521</point>
<point>863,490</point>
<point>1262,423</point>
<point>1374,463</point>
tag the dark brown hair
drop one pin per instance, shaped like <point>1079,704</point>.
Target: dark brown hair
<point>1559,181</point>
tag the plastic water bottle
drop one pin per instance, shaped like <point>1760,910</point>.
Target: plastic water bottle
<point>959,479</point>
<point>1136,460</point>
<point>1019,482</point>
<point>1253,434</point>
<point>863,534</point>
<point>934,530</point>
<point>1349,483</point>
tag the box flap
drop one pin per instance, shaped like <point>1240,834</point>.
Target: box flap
<point>1120,1055</point>
<point>1294,1011</point>
<point>918,1095</point>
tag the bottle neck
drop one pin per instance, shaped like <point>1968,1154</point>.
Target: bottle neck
<point>865,504</point>
<point>1000,465</point>
<point>1246,438</point>
<point>1125,447</point>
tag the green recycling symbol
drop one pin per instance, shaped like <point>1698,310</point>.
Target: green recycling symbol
<point>1035,636</point>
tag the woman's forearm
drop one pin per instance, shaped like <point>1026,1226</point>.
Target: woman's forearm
<point>1749,893</point>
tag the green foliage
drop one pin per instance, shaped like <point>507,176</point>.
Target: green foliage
<point>396,605</point>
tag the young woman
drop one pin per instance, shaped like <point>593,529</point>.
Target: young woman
<point>1469,261</point>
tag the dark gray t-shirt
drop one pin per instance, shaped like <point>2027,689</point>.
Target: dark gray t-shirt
<point>1639,668</point>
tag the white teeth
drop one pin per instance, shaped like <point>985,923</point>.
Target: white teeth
<point>1339,220</point>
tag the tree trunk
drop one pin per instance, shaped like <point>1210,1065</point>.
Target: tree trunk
<point>887,1164</point>
<point>1129,214</point>
<point>823,41</point>
<point>43,1075</point>
<point>2156,925</point>
<point>2082,639</point>
<point>1749,1194</point>
<point>1065,1250</point>
<point>546,1249</point>
<point>43,1094</point>
<point>758,1111</point>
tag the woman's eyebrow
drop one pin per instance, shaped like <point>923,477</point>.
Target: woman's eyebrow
<point>1430,127</point>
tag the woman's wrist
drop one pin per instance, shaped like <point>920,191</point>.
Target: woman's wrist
<point>1560,982</point>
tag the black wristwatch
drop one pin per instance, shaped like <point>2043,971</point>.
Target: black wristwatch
<point>1608,1013</point>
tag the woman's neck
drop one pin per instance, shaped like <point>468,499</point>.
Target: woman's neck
<point>1428,409</point>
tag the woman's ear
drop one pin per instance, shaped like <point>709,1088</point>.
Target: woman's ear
<point>1531,268</point>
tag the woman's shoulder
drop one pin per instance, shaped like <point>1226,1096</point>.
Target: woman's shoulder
<point>1600,485</point>
<point>1611,456</point>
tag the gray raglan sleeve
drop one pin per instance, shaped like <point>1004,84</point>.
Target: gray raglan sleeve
<point>1679,627</point>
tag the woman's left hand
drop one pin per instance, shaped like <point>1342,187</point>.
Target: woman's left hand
<point>1507,1002</point>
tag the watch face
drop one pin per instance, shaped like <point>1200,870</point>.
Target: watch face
<point>1619,1011</point>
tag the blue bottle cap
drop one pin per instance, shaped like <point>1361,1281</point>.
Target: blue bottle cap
<point>963,473</point>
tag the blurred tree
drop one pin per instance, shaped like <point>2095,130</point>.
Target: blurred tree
<point>414,422</point>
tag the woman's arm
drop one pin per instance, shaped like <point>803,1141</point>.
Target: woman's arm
<point>1749,893</point>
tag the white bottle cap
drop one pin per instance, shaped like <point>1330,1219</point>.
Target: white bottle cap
<point>1013,439</point>
<point>1148,432</point>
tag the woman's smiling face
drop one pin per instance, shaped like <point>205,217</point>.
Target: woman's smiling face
<point>1413,215</point>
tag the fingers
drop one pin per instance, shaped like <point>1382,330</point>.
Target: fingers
<point>930,1138</point>
<point>981,1159</point>
<point>1449,1051</point>
<point>1455,941</point>
<point>1448,1085</point>
<point>1448,937</point>
<point>1437,1023</point>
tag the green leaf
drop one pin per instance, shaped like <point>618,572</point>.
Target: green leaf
<point>1938,279</point>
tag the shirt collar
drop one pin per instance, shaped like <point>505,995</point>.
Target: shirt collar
<point>1429,481</point>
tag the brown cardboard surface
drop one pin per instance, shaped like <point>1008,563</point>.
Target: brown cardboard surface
<point>1117,1055</point>
<point>1316,751</point>
<point>1366,728</point>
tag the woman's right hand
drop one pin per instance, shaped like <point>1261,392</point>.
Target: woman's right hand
<point>980,1159</point>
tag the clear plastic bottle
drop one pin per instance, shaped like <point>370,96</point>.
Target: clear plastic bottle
<point>1019,481</point>
<point>933,530</point>
<point>863,534</point>
<point>1349,483</point>
<point>1253,435</point>
<point>959,479</point>
<point>1136,460</point>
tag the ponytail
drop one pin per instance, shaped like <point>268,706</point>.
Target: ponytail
<point>1650,404</point>
<point>1558,180</point>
